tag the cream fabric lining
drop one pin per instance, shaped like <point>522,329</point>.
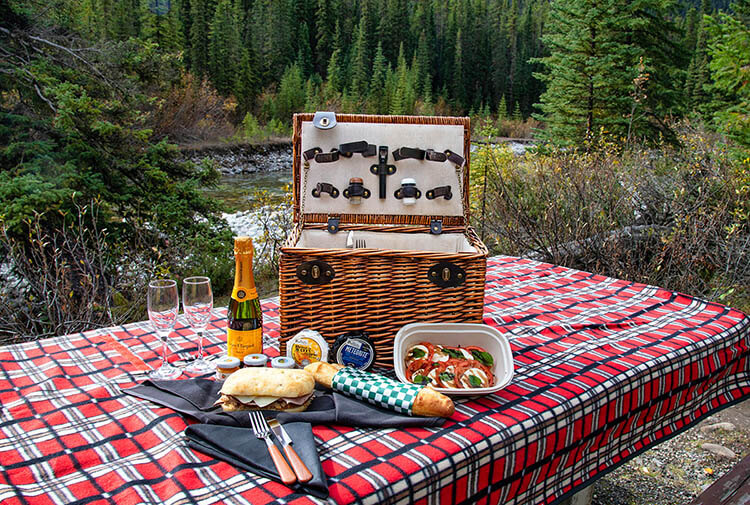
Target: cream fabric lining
<point>446,242</point>
<point>428,174</point>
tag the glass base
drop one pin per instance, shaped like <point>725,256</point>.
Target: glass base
<point>200,367</point>
<point>165,372</point>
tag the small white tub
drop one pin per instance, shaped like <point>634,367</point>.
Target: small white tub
<point>457,334</point>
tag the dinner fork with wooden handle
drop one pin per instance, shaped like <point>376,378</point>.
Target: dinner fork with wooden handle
<point>261,430</point>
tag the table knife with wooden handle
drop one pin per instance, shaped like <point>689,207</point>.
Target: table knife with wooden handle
<point>300,469</point>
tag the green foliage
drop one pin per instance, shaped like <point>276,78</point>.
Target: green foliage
<point>672,217</point>
<point>729,47</point>
<point>82,138</point>
<point>291,96</point>
<point>225,47</point>
<point>608,70</point>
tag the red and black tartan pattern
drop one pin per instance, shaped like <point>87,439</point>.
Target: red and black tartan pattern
<point>603,370</point>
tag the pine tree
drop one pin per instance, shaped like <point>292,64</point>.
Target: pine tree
<point>291,96</point>
<point>335,73</point>
<point>160,24</point>
<point>246,82</point>
<point>458,86</point>
<point>422,65</point>
<point>225,46</point>
<point>360,62</point>
<point>376,98</point>
<point>304,53</point>
<point>202,11</point>
<point>595,48</point>
<point>399,102</point>
<point>502,109</point>
<point>324,28</point>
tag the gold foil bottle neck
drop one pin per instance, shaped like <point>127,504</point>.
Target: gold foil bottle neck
<point>243,245</point>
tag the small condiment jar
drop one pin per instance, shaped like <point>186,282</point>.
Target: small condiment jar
<point>355,349</point>
<point>226,366</point>
<point>356,190</point>
<point>408,182</point>
<point>282,362</point>
<point>255,360</point>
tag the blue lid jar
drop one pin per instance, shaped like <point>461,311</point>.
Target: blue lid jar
<point>355,349</point>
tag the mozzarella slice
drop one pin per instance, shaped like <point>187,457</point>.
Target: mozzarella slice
<point>476,372</point>
<point>421,348</point>
<point>439,357</point>
<point>466,353</point>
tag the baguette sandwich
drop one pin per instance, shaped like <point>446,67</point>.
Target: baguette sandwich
<point>267,389</point>
<point>427,403</point>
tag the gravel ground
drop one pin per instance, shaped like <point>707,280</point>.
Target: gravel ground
<point>678,470</point>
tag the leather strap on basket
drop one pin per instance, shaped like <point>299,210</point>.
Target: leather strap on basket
<point>455,158</point>
<point>376,389</point>
<point>408,152</point>
<point>361,147</point>
<point>432,155</point>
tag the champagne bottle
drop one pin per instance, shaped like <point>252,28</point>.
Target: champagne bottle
<point>244,318</point>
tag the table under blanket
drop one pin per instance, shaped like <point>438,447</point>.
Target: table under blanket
<point>604,369</point>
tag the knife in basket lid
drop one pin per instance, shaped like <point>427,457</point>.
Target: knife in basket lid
<point>303,474</point>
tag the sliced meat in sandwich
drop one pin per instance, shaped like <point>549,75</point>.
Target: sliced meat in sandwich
<point>267,389</point>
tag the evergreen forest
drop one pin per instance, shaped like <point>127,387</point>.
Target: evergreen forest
<point>639,111</point>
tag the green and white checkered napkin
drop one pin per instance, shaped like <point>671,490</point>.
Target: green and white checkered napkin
<point>376,389</point>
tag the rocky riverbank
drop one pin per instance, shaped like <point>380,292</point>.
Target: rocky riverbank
<point>239,159</point>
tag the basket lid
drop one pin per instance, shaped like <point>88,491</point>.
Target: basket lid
<point>320,180</point>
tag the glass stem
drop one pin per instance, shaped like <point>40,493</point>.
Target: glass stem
<point>163,351</point>
<point>200,345</point>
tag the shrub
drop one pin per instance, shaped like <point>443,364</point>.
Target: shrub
<point>671,216</point>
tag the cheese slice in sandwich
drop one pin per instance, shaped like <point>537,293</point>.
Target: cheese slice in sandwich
<point>268,389</point>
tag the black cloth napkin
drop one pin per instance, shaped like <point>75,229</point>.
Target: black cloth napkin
<point>240,448</point>
<point>225,435</point>
<point>196,397</point>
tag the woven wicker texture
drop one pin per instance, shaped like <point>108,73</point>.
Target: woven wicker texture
<point>378,290</point>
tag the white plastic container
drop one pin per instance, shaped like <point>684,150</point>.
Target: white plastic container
<point>457,334</point>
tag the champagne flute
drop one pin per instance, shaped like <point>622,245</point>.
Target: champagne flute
<point>163,306</point>
<point>197,301</point>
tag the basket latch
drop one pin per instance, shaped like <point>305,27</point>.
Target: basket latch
<point>446,275</point>
<point>436,227</point>
<point>315,272</point>
<point>324,120</point>
<point>333,224</point>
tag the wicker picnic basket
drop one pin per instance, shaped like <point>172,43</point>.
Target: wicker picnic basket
<point>410,263</point>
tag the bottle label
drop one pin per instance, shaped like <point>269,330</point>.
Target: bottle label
<point>241,343</point>
<point>306,351</point>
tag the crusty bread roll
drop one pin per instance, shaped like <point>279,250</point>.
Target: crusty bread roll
<point>428,402</point>
<point>264,381</point>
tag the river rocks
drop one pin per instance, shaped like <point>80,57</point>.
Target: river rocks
<point>719,450</point>
<point>718,426</point>
<point>244,158</point>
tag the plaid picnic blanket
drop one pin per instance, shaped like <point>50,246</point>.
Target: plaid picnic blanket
<point>604,369</point>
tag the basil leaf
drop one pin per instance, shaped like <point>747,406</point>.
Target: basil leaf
<point>453,353</point>
<point>418,353</point>
<point>475,381</point>
<point>483,357</point>
<point>446,376</point>
<point>421,379</point>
